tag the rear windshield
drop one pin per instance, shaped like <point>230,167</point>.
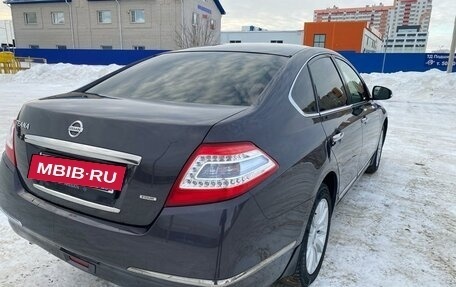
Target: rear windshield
<point>222,78</point>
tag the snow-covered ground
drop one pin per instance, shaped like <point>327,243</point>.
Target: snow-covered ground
<point>394,228</point>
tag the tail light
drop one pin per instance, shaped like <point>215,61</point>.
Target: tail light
<point>9,145</point>
<point>218,172</point>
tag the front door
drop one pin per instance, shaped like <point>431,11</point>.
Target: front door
<point>366,110</point>
<point>341,122</point>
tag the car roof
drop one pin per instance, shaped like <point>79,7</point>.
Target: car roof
<point>287,50</point>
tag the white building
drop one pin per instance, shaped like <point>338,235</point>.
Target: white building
<point>408,26</point>
<point>251,28</point>
<point>264,36</point>
<point>6,33</point>
<point>132,24</point>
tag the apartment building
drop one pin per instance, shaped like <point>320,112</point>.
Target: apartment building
<point>377,15</point>
<point>409,26</point>
<point>113,24</point>
<point>404,26</point>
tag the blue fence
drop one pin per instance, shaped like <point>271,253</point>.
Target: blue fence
<point>365,63</point>
<point>395,62</point>
<point>89,57</point>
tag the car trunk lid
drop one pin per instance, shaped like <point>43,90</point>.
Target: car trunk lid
<point>152,140</point>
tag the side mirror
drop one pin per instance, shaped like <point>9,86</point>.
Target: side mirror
<point>381,93</point>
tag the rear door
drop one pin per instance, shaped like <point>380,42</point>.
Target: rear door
<point>341,122</point>
<point>370,115</point>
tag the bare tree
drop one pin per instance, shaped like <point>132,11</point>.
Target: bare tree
<point>195,36</point>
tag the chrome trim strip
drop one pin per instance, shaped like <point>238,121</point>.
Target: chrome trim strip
<point>290,98</point>
<point>218,283</point>
<point>83,150</point>
<point>76,200</point>
<point>360,173</point>
<point>312,115</point>
<point>256,268</point>
<point>54,209</point>
<point>348,187</point>
<point>336,110</point>
<point>173,278</point>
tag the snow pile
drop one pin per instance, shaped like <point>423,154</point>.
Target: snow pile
<point>58,73</point>
<point>42,80</point>
<point>431,86</point>
<point>394,228</point>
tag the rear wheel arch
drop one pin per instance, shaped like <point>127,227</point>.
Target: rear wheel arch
<point>385,128</point>
<point>290,273</point>
<point>331,182</point>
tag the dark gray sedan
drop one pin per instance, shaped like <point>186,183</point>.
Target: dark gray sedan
<point>216,166</point>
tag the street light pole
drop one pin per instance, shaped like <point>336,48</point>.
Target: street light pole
<point>452,49</point>
<point>70,11</point>
<point>119,18</point>
<point>386,47</point>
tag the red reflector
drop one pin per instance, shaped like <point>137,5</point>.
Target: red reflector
<point>9,145</point>
<point>78,261</point>
<point>218,172</point>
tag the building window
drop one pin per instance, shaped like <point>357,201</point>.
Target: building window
<point>58,18</point>
<point>277,41</point>
<point>195,18</point>
<point>319,40</point>
<point>137,16</point>
<point>61,47</point>
<point>104,17</point>
<point>212,24</point>
<point>32,46</point>
<point>139,48</point>
<point>30,18</point>
<point>103,47</point>
<point>235,41</point>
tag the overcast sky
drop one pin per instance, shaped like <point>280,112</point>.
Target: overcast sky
<point>291,15</point>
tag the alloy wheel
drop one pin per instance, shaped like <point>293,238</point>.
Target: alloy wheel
<point>317,236</point>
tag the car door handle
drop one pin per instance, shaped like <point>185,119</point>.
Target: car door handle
<point>337,137</point>
<point>364,120</point>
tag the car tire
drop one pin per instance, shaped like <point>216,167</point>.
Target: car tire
<point>375,161</point>
<point>317,229</point>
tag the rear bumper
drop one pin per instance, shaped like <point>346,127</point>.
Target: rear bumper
<point>139,277</point>
<point>225,244</point>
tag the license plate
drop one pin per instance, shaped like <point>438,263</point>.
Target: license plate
<point>77,172</point>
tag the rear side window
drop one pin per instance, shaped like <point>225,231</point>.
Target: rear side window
<point>303,93</point>
<point>222,78</point>
<point>328,85</point>
<point>354,84</point>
